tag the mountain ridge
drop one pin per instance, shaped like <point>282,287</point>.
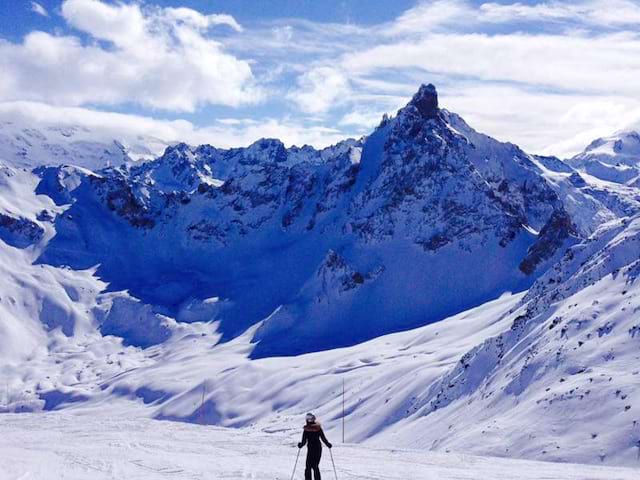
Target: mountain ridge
<point>415,185</point>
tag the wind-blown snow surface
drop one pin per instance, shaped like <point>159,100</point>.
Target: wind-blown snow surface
<point>166,290</point>
<point>42,447</point>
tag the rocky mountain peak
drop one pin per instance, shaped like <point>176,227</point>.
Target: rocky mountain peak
<point>426,101</point>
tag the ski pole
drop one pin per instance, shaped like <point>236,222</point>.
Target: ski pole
<point>295,465</point>
<point>334,464</point>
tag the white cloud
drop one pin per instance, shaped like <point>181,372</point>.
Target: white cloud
<point>124,24</point>
<point>362,118</point>
<point>198,20</point>
<point>597,119</point>
<point>39,9</point>
<point>289,131</point>
<point>498,12</point>
<point>541,91</point>
<point>431,15</point>
<point>443,42</point>
<point>589,64</point>
<point>320,89</point>
<point>539,122</point>
<point>596,12</point>
<point>428,15</point>
<point>159,58</point>
<point>283,34</point>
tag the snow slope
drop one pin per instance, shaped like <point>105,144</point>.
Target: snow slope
<point>569,361</point>
<point>526,377</point>
<point>73,447</point>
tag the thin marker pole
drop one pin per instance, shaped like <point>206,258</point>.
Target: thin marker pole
<point>202,407</point>
<point>342,410</point>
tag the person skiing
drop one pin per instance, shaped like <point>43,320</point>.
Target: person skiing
<point>311,435</point>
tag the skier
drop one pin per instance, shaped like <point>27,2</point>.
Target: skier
<point>312,433</point>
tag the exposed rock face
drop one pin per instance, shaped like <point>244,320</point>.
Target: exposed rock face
<point>426,101</point>
<point>335,274</point>
<point>558,230</point>
<point>448,185</point>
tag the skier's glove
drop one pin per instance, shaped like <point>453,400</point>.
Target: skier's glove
<point>330,445</point>
<point>300,445</point>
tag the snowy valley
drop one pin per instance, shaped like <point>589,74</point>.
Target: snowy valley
<point>472,298</point>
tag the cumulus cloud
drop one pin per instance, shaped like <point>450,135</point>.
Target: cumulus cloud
<point>39,9</point>
<point>320,89</point>
<point>164,58</point>
<point>365,119</point>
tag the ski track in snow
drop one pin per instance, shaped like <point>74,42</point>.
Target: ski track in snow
<point>63,445</point>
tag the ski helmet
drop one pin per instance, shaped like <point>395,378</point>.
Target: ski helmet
<point>310,417</point>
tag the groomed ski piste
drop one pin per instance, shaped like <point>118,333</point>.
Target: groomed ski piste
<point>100,445</point>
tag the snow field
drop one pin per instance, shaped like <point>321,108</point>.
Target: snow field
<point>103,446</point>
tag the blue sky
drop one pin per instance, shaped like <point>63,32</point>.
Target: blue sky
<point>18,19</point>
<point>549,76</point>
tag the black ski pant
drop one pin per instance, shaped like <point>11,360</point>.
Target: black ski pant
<point>313,460</point>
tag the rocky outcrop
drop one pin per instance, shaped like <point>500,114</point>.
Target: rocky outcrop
<point>558,231</point>
<point>19,232</point>
<point>426,101</point>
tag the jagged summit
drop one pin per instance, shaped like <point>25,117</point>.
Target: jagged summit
<point>426,101</point>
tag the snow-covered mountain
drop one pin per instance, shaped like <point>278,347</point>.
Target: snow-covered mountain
<point>321,245</point>
<point>29,147</point>
<point>614,159</point>
<point>175,288</point>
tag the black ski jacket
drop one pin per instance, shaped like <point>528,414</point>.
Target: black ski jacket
<point>312,434</point>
